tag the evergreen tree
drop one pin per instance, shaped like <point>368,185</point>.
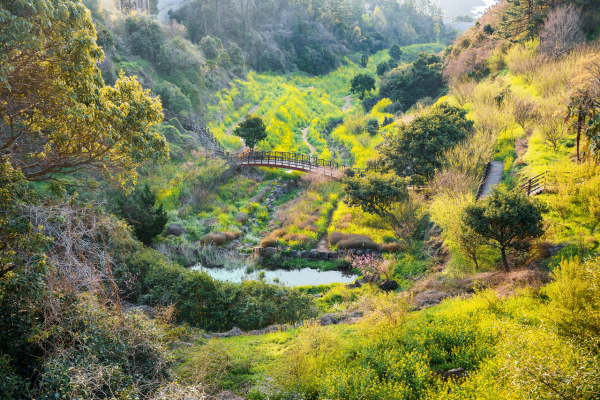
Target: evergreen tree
<point>142,213</point>
<point>252,130</point>
<point>523,19</point>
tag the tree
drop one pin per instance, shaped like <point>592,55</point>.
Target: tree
<point>237,58</point>
<point>209,48</point>
<point>407,85</point>
<point>362,83</point>
<point>522,19</point>
<point>375,193</point>
<point>252,130</point>
<point>364,60</point>
<point>414,151</point>
<point>561,31</point>
<point>395,52</point>
<point>584,95</point>
<point>141,212</point>
<point>384,67</point>
<point>509,219</point>
<point>172,97</point>
<point>57,116</point>
<point>372,126</point>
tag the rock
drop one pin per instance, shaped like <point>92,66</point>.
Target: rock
<point>388,284</point>
<point>294,253</point>
<point>235,331</point>
<point>359,252</point>
<point>332,255</point>
<point>175,230</point>
<point>361,281</point>
<point>353,286</point>
<point>323,255</point>
<point>270,251</point>
<point>377,254</point>
<point>303,254</point>
<point>329,319</point>
<point>313,253</point>
<point>456,374</point>
<point>210,221</point>
<point>241,217</point>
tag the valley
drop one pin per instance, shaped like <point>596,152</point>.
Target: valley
<point>273,200</point>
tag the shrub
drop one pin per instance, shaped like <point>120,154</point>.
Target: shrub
<point>232,235</point>
<point>172,97</point>
<point>204,302</point>
<point>575,298</point>
<point>241,217</point>
<point>268,242</point>
<point>216,238</point>
<point>561,31</point>
<point>390,247</point>
<point>372,126</point>
<point>352,241</point>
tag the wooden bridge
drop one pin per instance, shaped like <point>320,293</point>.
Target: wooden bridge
<point>294,161</point>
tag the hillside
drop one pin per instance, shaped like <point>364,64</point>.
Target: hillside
<point>299,200</point>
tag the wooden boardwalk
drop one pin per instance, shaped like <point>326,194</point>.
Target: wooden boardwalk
<point>492,177</point>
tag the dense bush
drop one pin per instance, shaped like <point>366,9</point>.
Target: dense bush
<point>172,98</point>
<point>147,277</point>
<point>407,85</point>
<point>415,149</point>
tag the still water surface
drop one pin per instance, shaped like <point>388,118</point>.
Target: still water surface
<point>296,277</point>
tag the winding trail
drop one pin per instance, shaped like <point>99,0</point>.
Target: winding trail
<point>305,138</point>
<point>348,105</point>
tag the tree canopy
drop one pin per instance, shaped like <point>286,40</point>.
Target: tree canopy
<point>375,193</point>
<point>57,115</point>
<point>252,130</point>
<point>395,52</point>
<point>414,150</point>
<point>509,219</point>
<point>361,84</point>
<point>422,78</point>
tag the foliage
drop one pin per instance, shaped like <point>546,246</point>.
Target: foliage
<point>54,42</point>
<point>372,126</point>
<point>414,150</point>
<point>409,84</point>
<point>395,52</point>
<point>510,220</point>
<point>561,31</point>
<point>209,47</point>
<point>574,294</point>
<point>361,84</point>
<point>140,210</point>
<point>375,193</point>
<point>204,302</point>
<point>252,130</point>
<point>172,97</point>
<point>523,20</point>
<point>369,266</point>
<point>384,67</point>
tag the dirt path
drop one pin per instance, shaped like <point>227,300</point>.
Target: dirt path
<point>305,138</point>
<point>323,243</point>
<point>348,105</point>
<point>252,111</point>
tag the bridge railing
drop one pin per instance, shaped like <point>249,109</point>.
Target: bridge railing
<point>292,160</point>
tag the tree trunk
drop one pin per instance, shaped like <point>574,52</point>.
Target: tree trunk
<point>504,262</point>
<point>579,126</point>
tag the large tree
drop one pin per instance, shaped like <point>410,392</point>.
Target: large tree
<point>422,78</point>
<point>361,84</point>
<point>510,220</point>
<point>414,150</point>
<point>57,116</point>
<point>523,19</point>
<point>375,193</point>
<point>252,130</point>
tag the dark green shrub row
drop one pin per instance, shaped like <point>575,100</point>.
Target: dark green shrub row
<point>148,278</point>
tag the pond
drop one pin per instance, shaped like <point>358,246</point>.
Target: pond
<point>294,277</point>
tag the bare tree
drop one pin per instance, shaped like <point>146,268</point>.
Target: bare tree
<point>523,109</point>
<point>551,125</point>
<point>561,31</point>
